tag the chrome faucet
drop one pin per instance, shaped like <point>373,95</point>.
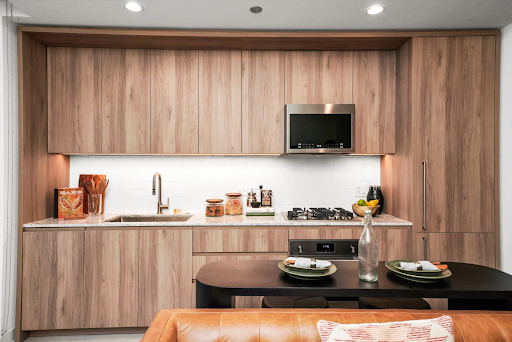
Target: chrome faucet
<point>160,205</point>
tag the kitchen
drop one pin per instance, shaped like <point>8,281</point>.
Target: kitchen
<point>215,155</point>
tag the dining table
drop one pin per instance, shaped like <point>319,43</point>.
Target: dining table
<point>470,287</point>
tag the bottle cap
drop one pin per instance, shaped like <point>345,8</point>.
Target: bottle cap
<point>368,211</point>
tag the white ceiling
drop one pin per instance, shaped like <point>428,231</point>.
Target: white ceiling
<point>276,15</point>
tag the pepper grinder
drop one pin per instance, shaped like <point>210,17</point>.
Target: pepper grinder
<point>266,197</point>
<point>251,197</point>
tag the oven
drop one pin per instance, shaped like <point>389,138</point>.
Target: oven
<point>324,249</point>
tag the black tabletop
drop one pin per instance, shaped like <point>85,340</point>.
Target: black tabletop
<point>263,277</point>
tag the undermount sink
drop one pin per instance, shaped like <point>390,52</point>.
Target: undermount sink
<point>156,218</point>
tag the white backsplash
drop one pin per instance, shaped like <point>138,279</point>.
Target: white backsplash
<point>296,181</point>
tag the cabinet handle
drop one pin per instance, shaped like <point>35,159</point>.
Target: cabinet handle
<point>424,248</point>
<point>424,195</point>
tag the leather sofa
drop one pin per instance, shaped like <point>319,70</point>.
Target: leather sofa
<point>299,325</point>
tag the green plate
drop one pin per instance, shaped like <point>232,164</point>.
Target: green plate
<point>418,272</point>
<point>437,276</point>
<point>306,274</point>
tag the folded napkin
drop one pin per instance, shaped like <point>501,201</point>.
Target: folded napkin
<point>413,266</point>
<point>308,263</point>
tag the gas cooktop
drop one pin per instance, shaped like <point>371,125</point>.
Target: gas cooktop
<point>324,214</point>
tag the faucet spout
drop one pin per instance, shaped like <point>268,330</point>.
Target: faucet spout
<point>160,205</point>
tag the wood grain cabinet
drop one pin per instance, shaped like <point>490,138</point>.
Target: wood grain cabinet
<point>318,77</point>
<point>443,175</point>
<point>263,102</point>
<point>220,107</point>
<point>240,240</point>
<point>472,248</point>
<point>165,271</point>
<point>74,100</point>
<point>125,105</point>
<point>374,98</point>
<point>53,280</point>
<point>111,274</point>
<point>456,140</point>
<point>174,101</point>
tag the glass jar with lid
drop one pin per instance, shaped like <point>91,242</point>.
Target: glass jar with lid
<point>214,207</point>
<point>234,203</point>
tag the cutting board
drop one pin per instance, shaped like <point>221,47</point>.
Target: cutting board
<point>96,179</point>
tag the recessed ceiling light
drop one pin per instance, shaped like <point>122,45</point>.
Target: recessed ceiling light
<point>375,9</point>
<point>256,9</point>
<point>133,6</point>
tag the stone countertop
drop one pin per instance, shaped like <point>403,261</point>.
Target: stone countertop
<point>200,220</point>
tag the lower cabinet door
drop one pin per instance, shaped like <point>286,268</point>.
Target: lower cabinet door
<point>471,248</point>
<point>53,280</point>
<point>165,272</point>
<point>111,278</point>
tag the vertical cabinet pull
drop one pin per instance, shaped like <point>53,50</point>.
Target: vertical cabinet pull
<point>424,195</point>
<point>424,248</point>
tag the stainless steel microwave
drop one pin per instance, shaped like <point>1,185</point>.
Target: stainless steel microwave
<point>319,128</point>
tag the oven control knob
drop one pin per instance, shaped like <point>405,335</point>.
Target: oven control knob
<point>300,249</point>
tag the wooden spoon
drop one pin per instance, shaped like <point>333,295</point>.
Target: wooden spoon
<point>96,181</point>
<point>89,187</point>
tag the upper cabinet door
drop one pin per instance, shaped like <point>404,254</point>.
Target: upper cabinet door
<point>125,101</point>
<point>318,77</point>
<point>174,101</point>
<point>374,98</point>
<point>263,102</point>
<point>455,131</point>
<point>74,100</point>
<point>220,107</point>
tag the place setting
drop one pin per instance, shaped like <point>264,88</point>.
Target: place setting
<point>307,268</point>
<point>419,271</point>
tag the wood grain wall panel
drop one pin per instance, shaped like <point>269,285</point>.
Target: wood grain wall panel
<point>174,101</point>
<point>241,240</point>
<point>165,272</point>
<point>374,98</point>
<point>396,170</point>
<point>53,280</point>
<point>74,100</point>
<point>111,278</point>
<point>318,77</point>
<point>220,107</point>
<point>394,242</point>
<point>263,102</point>
<point>125,101</point>
<point>473,248</point>
<point>456,120</point>
<point>52,170</point>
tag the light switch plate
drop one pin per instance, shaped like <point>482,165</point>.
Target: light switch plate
<point>361,190</point>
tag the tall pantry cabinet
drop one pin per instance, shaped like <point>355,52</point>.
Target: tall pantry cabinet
<point>443,176</point>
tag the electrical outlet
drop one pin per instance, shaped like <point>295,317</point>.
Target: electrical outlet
<point>361,190</point>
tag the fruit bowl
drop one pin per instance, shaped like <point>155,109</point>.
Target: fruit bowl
<point>359,210</point>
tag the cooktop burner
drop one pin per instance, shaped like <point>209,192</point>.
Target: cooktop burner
<point>325,214</point>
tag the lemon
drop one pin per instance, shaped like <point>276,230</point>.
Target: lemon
<point>373,203</point>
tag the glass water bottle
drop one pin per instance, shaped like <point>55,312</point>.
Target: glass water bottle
<point>368,251</point>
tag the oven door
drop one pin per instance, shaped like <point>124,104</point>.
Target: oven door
<point>314,129</point>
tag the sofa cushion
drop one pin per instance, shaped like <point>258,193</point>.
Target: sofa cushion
<point>426,330</point>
